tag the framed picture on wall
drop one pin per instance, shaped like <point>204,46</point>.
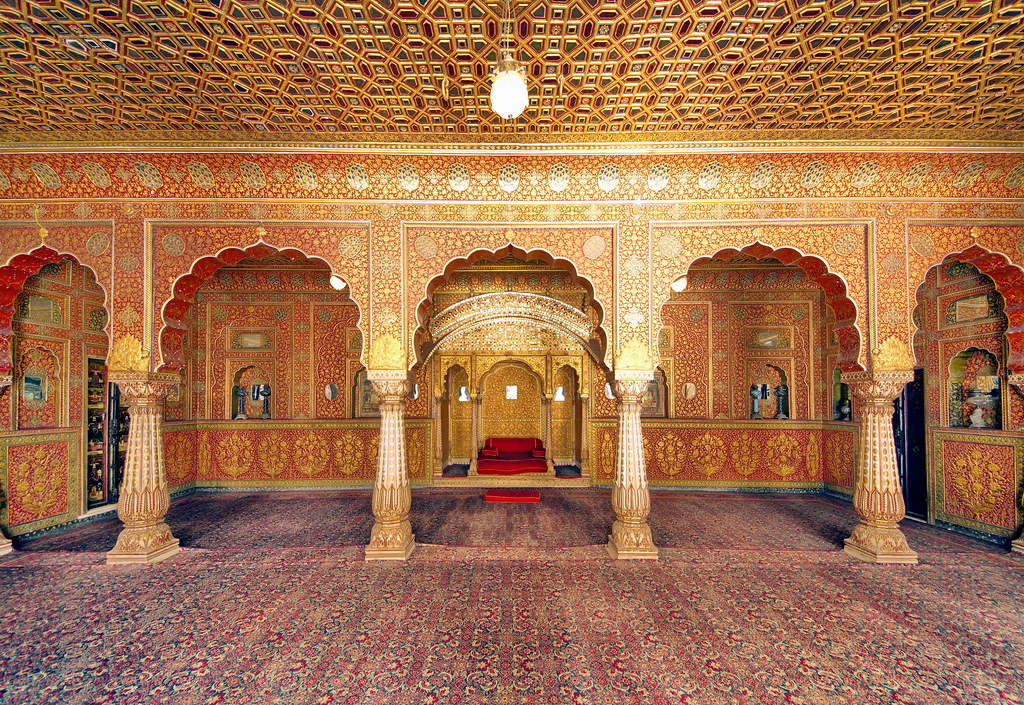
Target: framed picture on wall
<point>367,403</point>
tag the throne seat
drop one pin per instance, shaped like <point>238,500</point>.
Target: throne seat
<point>512,456</point>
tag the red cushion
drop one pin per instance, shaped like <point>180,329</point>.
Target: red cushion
<point>538,453</point>
<point>496,466</point>
<point>514,445</point>
<point>491,452</point>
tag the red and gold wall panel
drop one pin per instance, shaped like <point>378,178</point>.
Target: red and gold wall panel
<point>41,476</point>
<point>978,480</point>
<point>282,454</point>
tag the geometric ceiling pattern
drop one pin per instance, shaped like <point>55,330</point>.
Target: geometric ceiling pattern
<point>419,69</point>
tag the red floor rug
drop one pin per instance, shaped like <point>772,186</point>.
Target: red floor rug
<point>512,495</point>
<point>760,608</point>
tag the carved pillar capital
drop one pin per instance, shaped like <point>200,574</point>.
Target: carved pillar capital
<point>392,391</point>
<point>630,391</point>
<point>144,388</point>
<point>877,497</point>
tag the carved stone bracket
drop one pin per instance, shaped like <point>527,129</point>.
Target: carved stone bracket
<point>391,537</point>
<point>145,498</point>
<point>877,497</point>
<point>631,497</point>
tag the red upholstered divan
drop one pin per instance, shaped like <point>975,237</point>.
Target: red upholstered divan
<point>511,456</point>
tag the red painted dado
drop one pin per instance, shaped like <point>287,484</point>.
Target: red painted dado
<point>12,280</point>
<point>836,296</point>
<point>1009,281</point>
<point>173,334</point>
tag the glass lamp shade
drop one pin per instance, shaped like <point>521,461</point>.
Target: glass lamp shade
<point>509,92</point>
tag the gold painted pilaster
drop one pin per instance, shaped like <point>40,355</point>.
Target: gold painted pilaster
<point>391,537</point>
<point>145,498</point>
<point>877,497</point>
<point>631,498</point>
<point>476,400</point>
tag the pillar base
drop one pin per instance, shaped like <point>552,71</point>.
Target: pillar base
<point>393,542</point>
<point>146,544</point>
<point>5,545</point>
<point>631,542</point>
<point>1017,546</point>
<point>879,544</point>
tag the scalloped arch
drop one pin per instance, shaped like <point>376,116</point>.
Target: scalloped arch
<point>423,347</point>
<point>832,285</point>
<point>12,281</point>
<point>172,335</point>
<point>1008,279</point>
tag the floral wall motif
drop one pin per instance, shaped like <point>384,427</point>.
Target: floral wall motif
<point>735,454</point>
<point>979,481</point>
<point>41,478</point>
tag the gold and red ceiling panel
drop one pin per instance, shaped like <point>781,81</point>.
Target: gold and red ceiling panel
<point>357,70</point>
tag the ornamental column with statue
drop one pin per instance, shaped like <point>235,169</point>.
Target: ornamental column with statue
<point>145,497</point>
<point>877,496</point>
<point>391,537</point>
<point>631,497</point>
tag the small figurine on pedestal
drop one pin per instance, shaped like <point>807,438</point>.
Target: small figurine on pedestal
<point>782,405</point>
<point>757,393</point>
<point>261,393</point>
<point>241,394</point>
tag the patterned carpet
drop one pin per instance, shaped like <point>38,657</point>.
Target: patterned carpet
<point>271,603</point>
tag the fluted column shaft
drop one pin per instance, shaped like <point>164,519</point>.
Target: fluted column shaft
<point>144,498</point>
<point>877,497</point>
<point>475,401</point>
<point>391,537</point>
<point>631,497</point>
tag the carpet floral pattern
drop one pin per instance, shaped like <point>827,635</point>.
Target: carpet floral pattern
<point>767,612</point>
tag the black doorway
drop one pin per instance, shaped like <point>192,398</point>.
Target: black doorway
<point>909,429</point>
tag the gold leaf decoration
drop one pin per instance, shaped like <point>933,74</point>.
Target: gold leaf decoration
<point>893,355</point>
<point>128,355</point>
<point>634,355</point>
<point>386,353</point>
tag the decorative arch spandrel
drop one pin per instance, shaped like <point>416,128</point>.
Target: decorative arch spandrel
<point>833,255</point>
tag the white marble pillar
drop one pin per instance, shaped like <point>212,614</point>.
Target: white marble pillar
<point>877,497</point>
<point>391,537</point>
<point>631,498</point>
<point>145,497</point>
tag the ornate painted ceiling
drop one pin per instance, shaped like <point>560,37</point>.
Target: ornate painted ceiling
<point>330,71</point>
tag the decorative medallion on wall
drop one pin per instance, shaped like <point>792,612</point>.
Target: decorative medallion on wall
<point>386,264</point>
<point>633,266</point>
<point>173,245</point>
<point>558,177</point>
<point>425,246</point>
<point>846,242</point>
<point>762,175</point>
<point>251,340</point>
<point>916,175</point>
<point>696,315</point>
<point>892,263</point>
<point>922,243</point>
<point>864,174</point>
<point>349,246</point>
<point>97,244</point>
<point>892,317</point>
<point>128,263</point>
<point>47,176</point>
<point>608,177</point>
<point>966,176</point>
<point>508,177</point>
<point>669,245</point>
<point>148,175</point>
<point>96,174</point>
<point>408,177</point>
<point>458,177</point>
<point>814,174</point>
<point>709,176</point>
<point>252,175</point>
<point>201,174</point>
<point>305,176</point>
<point>659,176</point>
<point>1016,177</point>
<point>594,247</point>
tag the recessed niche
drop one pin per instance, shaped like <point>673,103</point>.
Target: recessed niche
<point>331,392</point>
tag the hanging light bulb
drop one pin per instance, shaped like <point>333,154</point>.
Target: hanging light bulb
<point>337,282</point>
<point>510,93</point>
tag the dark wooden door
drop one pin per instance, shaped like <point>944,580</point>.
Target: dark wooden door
<point>909,429</point>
